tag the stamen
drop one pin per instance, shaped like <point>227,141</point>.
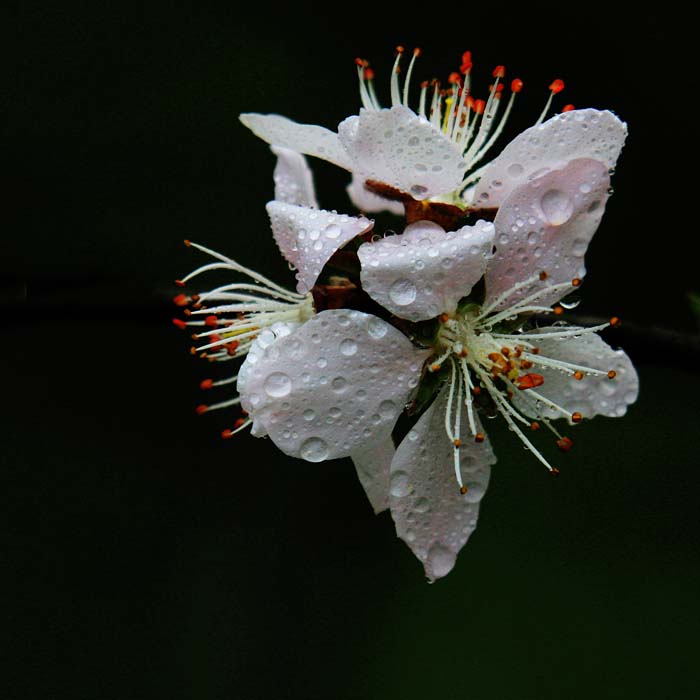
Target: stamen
<point>407,79</point>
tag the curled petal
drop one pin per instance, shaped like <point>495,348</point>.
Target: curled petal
<point>294,182</point>
<point>431,515</point>
<point>372,462</point>
<point>309,139</point>
<point>593,394</point>
<point>545,226</point>
<point>400,149</point>
<point>308,237</point>
<point>369,202</point>
<point>426,270</point>
<point>331,387</point>
<point>580,133</point>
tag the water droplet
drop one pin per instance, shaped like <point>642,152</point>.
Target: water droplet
<point>402,292</point>
<point>579,247</point>
<point>334,412</point>
<point>339,384</point>
<point>400,485</point>
<point>556,206</point>
<point>440,560</point>
<point>387,409</point>
<point>314,450</point>
<point>322,362</point>
<point>332,231</point>
<point>348,347</point>
<point>422,505</point>
<point>278,384</point>
<point>515,170</point>
<point>419,191</point>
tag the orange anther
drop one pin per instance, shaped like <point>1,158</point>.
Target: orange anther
<point>400,49</point>
<point>578,375</point>
<point>535,351</point>
<point>554,472</point>
<point>202,408</point>
<point>457,442</point>
<point>212,321</point>
<point>179,283</point>
<point>476,390</point>
<point>576,417</point>
<point>529,381</point>
<point>417,51</point>
<point>455,79</point>
<point>526,364</point>
<point>568,108</point>
<point>463,490</point>
<point>226,434</point>
<point>558,310</point>
<point>479,437</point>
<point>534,425</point>
<point>435,367</point>
<point>615,322</point>
<point>443,318</point>
<point>499,72</point>
<point>543,275</point>
<point>238,423</point>
<point>565,444</point>
<point>463,352</point>
<point>180,323</point>
<point>187,243</point>
<point>576,282</point>
<point>181,300</point>
<point>505,352</point>
<point>206,384</point>
<point>557,86</point>
<point>479,106</point>
<point>516,85</point>
<point>368,73</point>
<point>612,374</point>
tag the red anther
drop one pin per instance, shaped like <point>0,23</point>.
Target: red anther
<point>187,242</point>
<point>443,318</point>
<point>554,472</point>
<point>576,282</point>
<point>231,348</point>
<point>578,375</point>
<point>180,323</point>
<point>215,338</point>
<point>518,351</point>
<point>179,283</point>
<point>195,298</point>
<point>516,85</point>
<point>463,352</point>
<point>455,79</point>
<point>470,102</point>
<point>212,321</point>
<point>558,310</point>
<point>557,86</point>
<point>612,374</point>
<point>424,85</point>
<point>194,336</point>
<point>435,367</point>
<point>529,381</point>
<point>187,312</point>
<point>466,62</point>
<point>535,351</point>
<point>500,364</point>
<point>226,434</point>
<point>476,390</point>
<point>499,72</point>
<point>206,384</point>
<point>181,300</point>
<point>479,106</point>
<point>202,408</point>
<point>615,322</point>
<point>565,444</point>
<point>505,352</point>
<point>576,417</point>
<point>479,437</point>
<point>369,73</point>
<point>417,51</point>
<point>400,49</point>
<point>238,423</point>
<point>360,62</point>
<point>526,364</point>
<point>534,425</point>
<point>457,442</point>
<point>463,490</point>
<point>543,275</point>
<point>568,108</point>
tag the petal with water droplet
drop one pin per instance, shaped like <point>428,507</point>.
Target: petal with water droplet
<point>316,400</point>
<point>580,133</point>
<point>308,237</point>
<point>431,515</point>
<point>426,270</point>
<point>294,182</point>
<point>545,226</point>
<point>372,462</point>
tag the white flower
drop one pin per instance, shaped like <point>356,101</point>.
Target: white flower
<point>335,385</point>
<point>433,153</point>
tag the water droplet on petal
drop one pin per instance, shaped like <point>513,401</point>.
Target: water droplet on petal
<point>348,347</point>
<point>278,384</point>
<point>556,206</point>
<point>440,560</point>
<point>402,292</point>
<point>314,450</point>
<point>399,485</point>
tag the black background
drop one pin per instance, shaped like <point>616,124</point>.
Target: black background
<point>145,557</point>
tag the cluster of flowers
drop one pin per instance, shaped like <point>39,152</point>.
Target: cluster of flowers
<point>442,322</point>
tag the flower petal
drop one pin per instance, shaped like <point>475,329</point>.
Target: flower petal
<point>309,139</point>
<point>334,385</point>
<point>545,226</point>
<point>580,133</point>
<point>432,517</point>
<point>594,394</point>
<point>400,149</point>
<point>372,463</point>
<point>294,183</point>
<point>369,202</point>
<point>308,237</point>
<point>426,270</point>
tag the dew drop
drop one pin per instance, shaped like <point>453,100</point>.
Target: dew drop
<point>422,505</point>
<point>399,485</point>
<point>387,409</point>
<point>515,170</point>
<point>278,384</point>
<point>339,384</point>
<point>309,414</point>
<point>332,231</point>
<point>440,561</point>
<point>556,206</point>
<point>348,347</point>
<point>402,292</point>
<point>314,450</point>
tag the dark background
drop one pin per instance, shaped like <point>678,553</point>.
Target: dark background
<point>147,558</point>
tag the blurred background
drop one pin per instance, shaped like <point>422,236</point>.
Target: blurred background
<point>147,558</point>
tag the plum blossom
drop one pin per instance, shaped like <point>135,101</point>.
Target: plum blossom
<point>439,321</point>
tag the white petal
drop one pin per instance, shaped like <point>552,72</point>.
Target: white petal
<point>400,149</point>
<point>545,226</point>
<point>581,133</point>
<point>593,395</point>
<point>372,463</point>
<point>426,270</point>
<point>294,183</point>
<point>333,386</point>
<point>309,237</point>
<point>431,515</point>
<point>309,139</point>
<point>369,202</point>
